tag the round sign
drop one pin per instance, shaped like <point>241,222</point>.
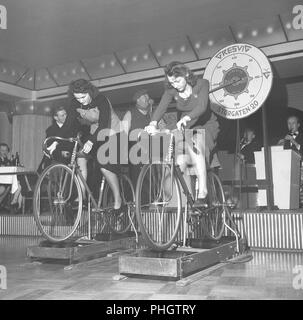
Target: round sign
<point>240,79</point>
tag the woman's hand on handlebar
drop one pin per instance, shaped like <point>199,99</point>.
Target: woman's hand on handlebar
<point>151,128</point>
<point>87,146</point>
<point>182,123</point>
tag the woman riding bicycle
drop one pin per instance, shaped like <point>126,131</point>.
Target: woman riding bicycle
<point>191,95</point>
<point>96,109</point>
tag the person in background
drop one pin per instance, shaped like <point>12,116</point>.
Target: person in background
<point>65,125</point>
<point>248,145</point>
<point>140,114</point>
<point>4,151</point>
<point>138,117</point>
<point>16,201</point>
<point>294,138</point>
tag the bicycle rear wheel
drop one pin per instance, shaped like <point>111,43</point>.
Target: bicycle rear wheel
<point>122,223</point>
<point>213,222</point>
<point>158,206</point>
<point>56,212</point>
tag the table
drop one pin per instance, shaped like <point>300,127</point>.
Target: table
<point>8,175</point>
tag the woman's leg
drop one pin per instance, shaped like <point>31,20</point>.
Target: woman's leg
<point>82,163</point>
<point>193,153</point>
<point>183,162</point>
<point>203,144</point>
<point>199,164</point>
<point>113,182</point>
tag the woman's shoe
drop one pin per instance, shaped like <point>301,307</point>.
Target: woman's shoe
<point>200,203</point>
<point>120,211</point>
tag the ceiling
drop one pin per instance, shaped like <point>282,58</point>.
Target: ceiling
<point>44,33</point>
<point>49,43</point>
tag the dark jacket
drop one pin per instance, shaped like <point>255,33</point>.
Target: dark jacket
<point>299,140</point>
<point>248,151</point>
<point>5,162</point>
<point>69,129</point>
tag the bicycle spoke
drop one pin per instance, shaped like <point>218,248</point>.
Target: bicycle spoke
<point>122,223</point>
<point>156,218</point>
<point>56,216</point>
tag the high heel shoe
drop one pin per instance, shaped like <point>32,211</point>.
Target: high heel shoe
<point>120,211</point>
<point>200,203</point>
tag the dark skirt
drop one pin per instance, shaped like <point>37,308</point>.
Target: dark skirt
<point>108,153</point>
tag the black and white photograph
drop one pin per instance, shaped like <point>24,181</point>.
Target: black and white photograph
<point>151,153</point>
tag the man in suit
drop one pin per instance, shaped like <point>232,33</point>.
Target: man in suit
<point>248,145</point>
<point>294,138</point>
<point>65,125</point>
<point>137,118</point>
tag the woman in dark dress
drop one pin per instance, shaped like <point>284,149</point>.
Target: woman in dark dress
<point>191,95</point>
<point>94,108</point>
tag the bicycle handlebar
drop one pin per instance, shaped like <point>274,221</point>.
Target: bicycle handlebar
<point>72,139</point>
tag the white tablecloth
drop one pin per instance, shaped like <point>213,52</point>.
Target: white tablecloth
<point>10,178</point>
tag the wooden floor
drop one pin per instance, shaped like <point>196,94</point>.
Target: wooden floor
<point>268,276</point>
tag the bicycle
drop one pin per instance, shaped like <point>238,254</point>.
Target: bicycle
<point>159,211</point>
<point>58,200</point>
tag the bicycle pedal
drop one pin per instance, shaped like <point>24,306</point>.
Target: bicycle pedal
<point>194,213</point>
<point>94,210</point>
<point>201,204</point>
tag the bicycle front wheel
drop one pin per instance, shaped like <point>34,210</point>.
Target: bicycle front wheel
<point>158,206</point>
<point>57,203</point>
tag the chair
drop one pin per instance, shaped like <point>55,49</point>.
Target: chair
<point>5,199</point>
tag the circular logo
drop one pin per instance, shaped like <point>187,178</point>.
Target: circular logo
<point>240,79</point>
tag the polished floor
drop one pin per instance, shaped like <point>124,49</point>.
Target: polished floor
<point>269,275</point>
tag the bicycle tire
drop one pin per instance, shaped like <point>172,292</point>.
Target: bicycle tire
<point>148,230</point>
<point>213,224</point>
<point>52,227</point>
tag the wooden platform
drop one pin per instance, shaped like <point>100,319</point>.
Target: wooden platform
<point>80,250</point>
<point>269,275</point>
<point>179,263</point>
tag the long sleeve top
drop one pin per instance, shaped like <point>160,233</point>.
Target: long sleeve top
<point>104,119</point>
<point>196,106</point>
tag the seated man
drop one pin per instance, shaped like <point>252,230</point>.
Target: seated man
<point>4,188</point>
<point>294,138</point>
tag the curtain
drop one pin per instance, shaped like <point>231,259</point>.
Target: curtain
<point>28,136</point>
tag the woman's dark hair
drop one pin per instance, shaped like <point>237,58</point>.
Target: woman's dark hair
<point>82,86</point>
<point>178,69</point>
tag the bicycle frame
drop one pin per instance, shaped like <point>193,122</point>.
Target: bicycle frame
<point>175,170</point>
<point>75,168</point>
